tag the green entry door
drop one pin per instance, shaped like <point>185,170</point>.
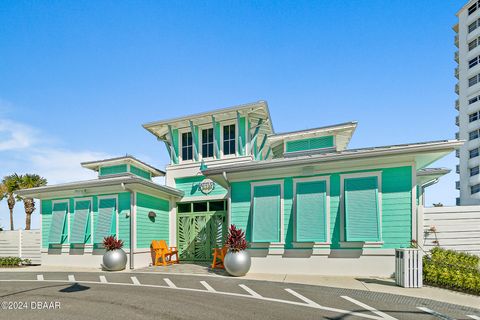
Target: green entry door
<point>201,226</point>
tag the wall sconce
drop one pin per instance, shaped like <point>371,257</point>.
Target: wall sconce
<point>152,214</point>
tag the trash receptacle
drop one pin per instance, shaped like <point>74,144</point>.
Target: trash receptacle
<point>408,268</point>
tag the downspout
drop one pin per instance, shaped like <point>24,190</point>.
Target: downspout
<point>132,225</point>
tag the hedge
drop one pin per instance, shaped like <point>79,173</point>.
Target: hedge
<point>13,261</point>
<point>452,270</point>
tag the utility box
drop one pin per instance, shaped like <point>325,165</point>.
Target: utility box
<point>408,268</point>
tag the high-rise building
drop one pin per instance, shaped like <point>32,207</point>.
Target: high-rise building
<point>467,40</point>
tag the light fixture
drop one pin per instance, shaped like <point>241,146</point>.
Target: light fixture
<point>152,214</point>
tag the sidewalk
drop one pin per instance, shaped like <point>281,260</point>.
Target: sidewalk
<point>383,285</point>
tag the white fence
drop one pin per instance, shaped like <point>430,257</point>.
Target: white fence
<point>21,243</point>
<point>456,228</point>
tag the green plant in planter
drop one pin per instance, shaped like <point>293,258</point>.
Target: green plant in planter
<point>110,243</point>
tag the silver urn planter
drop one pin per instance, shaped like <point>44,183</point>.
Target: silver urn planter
<point>114,260</point>
<point>237,263</point>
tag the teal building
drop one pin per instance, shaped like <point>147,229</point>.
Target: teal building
<point>308,203</point>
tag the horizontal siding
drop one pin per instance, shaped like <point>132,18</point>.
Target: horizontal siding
<point>21,243</point>
<point>151,229</point>
<point>457,228</point>
<point>139,172</point>
<point>121,168</point>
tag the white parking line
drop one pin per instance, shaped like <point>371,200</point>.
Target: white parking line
<point>252,293</point>
<point>71,278</point>
<point>299,296</point>
<point>473,317</point>
<point>170,283</point>
<point>40,277</point>
<point>207,286</point>
<point>435,313</point>
<point>103,279</point>
<point>135,281</point>
<point>367,307</point>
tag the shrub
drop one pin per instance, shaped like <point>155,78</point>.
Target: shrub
<point>236,239</point>
<point>452,270</point>
<point>110,243</point>
<point>13,261</point>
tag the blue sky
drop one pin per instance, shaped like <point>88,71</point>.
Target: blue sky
<point>78,78</point>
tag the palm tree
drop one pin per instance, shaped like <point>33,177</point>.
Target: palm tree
<point>28,181</point>
<point>10,184</point>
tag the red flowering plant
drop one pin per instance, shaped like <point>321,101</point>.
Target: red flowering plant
<point>110,243</point>
<point>236,239</point>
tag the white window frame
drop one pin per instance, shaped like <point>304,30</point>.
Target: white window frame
<point>282,227</point>
<point>75,200</point>
<point>360,244</point>
<point>327,207</point>
<point>200,142</point>
<point>115,196</point>
<point>180,148</point>
<point>222,125</point>
<point>68,217</point>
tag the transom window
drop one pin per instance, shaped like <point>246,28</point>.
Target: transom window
<point>229,139</point>
<point>474,171</point>
<point>207,143</point>
<point>187,146</point>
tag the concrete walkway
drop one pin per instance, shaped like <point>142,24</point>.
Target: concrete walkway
<point>373,284</point>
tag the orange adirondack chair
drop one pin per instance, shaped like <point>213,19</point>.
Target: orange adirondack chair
<point>218,257</point>
<point>164,252</point>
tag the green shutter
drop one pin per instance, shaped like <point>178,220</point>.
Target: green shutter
<point>57,226</point>
<point>81,217</point>
<point>362,215</point>
<point>310,144</point>
<point>266,213</point>
<point>311,211</point>
<point>105,224</point>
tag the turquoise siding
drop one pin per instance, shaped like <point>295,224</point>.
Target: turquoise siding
<point>139,172</point>
<point>123,220</point>
<point>189,185</point>
<point>149,229</point>
<point>121,168</point>
<point>310,144</point>
<point>396,207</point>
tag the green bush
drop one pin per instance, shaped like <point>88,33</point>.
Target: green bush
<point>13,261</point>
<point>452,270</point>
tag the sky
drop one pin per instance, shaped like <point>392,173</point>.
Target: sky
<point>78,78</point>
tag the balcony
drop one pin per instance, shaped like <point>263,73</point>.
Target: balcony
<point>455,28</point>
<point>457,89</point>
<point>457,104</point>
<point>456,56</point>
<point>456,73</point>
<point>457,185</point>
<point>457,168</point>
<point>457,121</point>
<point>456,40</point>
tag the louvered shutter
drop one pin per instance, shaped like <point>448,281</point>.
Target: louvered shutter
<point>266,213</point>
<point>311,211</point>
<point>81,217</point>
<point>105,221</point>
<point>361,209</point>
<point>57,227</point>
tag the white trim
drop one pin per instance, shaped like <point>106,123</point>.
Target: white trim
<point>377,174</point>
<point>41,225</point>
<point>222,125</point>
<point>327,213</point>
<point>172,222</point>
<point>134,217</point>
<point>112,196</point>
<point>180,145</point>
<point>200,142</point>
<point>68,218</point>
<point>282,227</point>
<point>417,225</point>
<point>75,200</point>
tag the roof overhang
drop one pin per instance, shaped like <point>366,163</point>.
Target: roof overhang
<point>343,133</point>
<point>99,186</point>
<point>95,165</point>
<point>420,154</point>
<point>429,176</point>
<point>255,111</point>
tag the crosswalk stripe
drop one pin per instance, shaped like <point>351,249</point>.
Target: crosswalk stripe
<point>305,299</point>
<point>135,281</point>
<point>170,283</point>
<point>252,293</point>
<point>207,286</point>
<point>103,279</point>
<point>40,277</point>
<point>435,313</point>
<point>473,317</point>
<point>367,307</point>
<point>71,278</point>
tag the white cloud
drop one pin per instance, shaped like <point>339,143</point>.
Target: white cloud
<point>15,135</point>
